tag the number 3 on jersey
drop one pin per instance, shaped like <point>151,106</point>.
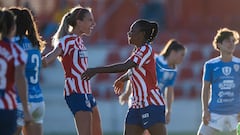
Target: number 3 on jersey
<point>35,61</point>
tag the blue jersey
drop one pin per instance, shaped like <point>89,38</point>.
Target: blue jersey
<point>224,78</point>
<point>32,71</point>
<point>166,75</point>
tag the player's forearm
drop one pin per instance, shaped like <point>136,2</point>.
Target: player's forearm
<point>169,98</point>
<point>205,99</point>
<point>21,85</point>
<point>115,68</point>
<point>50,57</point>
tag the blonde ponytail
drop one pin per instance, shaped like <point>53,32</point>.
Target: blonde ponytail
<point>63,28</point>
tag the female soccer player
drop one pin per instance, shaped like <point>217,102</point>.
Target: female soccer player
<point>166,68</point>
<point>74,59</point>
<point>221,87</point>
<point>147,110</point>
<point>12,67</point>
<point>28,38</point>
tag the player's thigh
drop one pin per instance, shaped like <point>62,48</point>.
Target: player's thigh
<point>146,132</point>
<point>206,130</point>
<point>38,112</point>
<point>37,128</point>
<point>96,115</point>
<point>158,129</point>
<point>83,120</point>
<point>97,130</point>
<point>133,129</point>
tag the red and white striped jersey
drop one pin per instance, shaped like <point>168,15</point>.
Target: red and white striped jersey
<point>11,56</point>
<point>143,79</point>
<point>74,62</point>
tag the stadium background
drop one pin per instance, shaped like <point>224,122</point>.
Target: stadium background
<point>194,23</point>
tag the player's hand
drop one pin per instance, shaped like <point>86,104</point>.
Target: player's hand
<point>88,74</point>
<point>44,61</point>
<point>206,117</point>
<point>27,118</point>
<point>118,86</point>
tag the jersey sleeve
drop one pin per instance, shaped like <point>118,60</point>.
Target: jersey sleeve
<point>60,44</point>
<point>207,72</point>
<point>141,55</point>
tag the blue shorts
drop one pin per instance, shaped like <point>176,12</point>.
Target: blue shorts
<point>8,122</point>
<point>146,117</point>
<point>80,102</point>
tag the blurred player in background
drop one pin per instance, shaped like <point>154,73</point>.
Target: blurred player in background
<point>74,58</point>
<point>221,87</point>
<point>28,38</point>
<point>147,110</point>
<point>12,67</point>
<point>166,67</point>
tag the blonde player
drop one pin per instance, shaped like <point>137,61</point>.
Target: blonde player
<point>74,58</point>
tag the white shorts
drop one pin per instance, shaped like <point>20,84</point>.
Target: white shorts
<point>221,123</point>
<point>36,109</point>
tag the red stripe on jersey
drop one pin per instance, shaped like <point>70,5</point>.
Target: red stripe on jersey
<point>139,82</point>
<point>68,87</point>
<point>143,78</point>
<point>77,86</point>
<point>13,101</point>
<point>156,96</point>
<point>74,61</point>
<point>155,100</point>
<point>19,53</point>
<point>69,39</point>
<point>5,103</point>
<point>84,87</point>
<point>140,91</point>
<point>11,55</point>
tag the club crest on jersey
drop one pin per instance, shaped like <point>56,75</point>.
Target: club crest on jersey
<point>88,104</point>
<point>236,67</point>
<point>226,70</point>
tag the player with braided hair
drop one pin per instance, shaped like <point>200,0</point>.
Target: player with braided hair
<point>147,110</point>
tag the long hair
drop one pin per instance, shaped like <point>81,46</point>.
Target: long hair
<point>7,22</point>
<point>171,45</point>
<point>69,22</point>
<point>26,26</point>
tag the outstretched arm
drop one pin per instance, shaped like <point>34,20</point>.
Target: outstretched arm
<point>50,57</point>
<point>114,68</point>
